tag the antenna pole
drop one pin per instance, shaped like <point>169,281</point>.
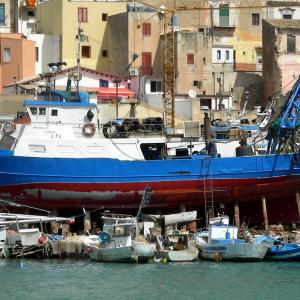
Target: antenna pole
<point>78,56</point>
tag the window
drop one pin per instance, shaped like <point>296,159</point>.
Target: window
<point>54,112</point>
<point>197,83</point>
<point>103,83</point>
<point>6,55</point>
<point>291,44</point>
<point>218,54</point>
<point>205,102</point>
<point>227,55</point>
<point>37,148</point>
<point>146,69</point>
<point>36,53</point>
<point>255,19</point>
<point>146,29</point>
<point>104,17</point>
<point>287,16</point>
<point>85,51</point>
<point>30,13</point>
<point>190,58</point>
<point>224,15</point>
<point>2,14</point>
<point>104,53</point>
<point>82,14</point>
<point>33,110</point>
<point>42,111</point>
<point>155,86</point>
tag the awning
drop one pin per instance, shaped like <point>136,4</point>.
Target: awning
<point>108,93</point>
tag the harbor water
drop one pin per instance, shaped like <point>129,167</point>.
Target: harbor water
<point>82,279</point>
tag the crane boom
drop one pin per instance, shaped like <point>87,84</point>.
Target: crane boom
<point>169,69</point>
<point>282,130</point>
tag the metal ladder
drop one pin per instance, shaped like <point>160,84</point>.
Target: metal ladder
<point>206,174</point>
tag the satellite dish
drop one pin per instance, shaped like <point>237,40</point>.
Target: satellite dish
<point>192,94</point>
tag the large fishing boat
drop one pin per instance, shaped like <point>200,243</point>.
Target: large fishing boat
<point>60,155</point>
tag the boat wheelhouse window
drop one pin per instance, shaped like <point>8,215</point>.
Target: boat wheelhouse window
<point>7,141</point>
<point>54,112</point>
<point>42,111</point>
<point>33,110</point>
<point>37,148</point>
<point>50,97</point>
<point>152,151</point>
<point>74,97</point>
<point>122,231</point>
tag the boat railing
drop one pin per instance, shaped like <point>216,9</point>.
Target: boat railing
<point>114,130</point>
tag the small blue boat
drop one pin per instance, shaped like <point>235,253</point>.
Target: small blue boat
<point>284,252</point>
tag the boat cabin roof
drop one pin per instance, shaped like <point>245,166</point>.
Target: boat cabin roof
<point>61,98</point>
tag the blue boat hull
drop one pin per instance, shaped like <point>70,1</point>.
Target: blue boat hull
<point>287,252</point>
<point>70,182</point>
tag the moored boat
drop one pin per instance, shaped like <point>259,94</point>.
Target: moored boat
<point>220,242</point>
<point>178,248</point>
<point>119,243</point>
<point>284,252</point>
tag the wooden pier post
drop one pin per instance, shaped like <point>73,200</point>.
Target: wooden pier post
<point>237,214</point>
<point>298,202</point>
<point>265,212</point>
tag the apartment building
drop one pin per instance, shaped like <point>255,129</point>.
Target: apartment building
<point>17,58</point>
<point>64,17</point>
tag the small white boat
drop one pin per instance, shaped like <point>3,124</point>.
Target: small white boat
<point>118,242</point>
<point>178,248</point>
<point>2,241</point>
<point>220,242</point>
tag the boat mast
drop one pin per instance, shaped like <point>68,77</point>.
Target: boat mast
<point>79,33</point>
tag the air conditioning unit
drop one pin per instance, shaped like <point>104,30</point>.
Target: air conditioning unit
<point>191,129</point>
<point>134,72</point>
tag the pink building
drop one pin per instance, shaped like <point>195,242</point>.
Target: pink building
<point>17,58</point>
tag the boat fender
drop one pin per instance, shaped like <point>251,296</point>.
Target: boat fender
<point>88,130</point>
<point>9,127</point>
<point>105,129</point>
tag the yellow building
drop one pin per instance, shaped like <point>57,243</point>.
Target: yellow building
<point>62,17</point>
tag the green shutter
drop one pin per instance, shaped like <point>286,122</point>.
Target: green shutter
<point>224,10</point>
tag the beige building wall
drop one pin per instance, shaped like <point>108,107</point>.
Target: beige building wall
<point>196,44</point>
<point>65,24</point>
<point>10,105</point>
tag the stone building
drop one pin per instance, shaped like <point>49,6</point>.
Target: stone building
<point>281,58</point>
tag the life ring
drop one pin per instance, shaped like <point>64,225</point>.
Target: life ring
<point>88,130</point>
<point>9,127</point>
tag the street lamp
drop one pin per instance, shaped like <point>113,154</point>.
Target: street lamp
<point>117,82</point>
